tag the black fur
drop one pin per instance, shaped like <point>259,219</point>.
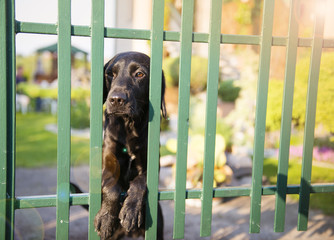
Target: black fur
<point>125,92</point>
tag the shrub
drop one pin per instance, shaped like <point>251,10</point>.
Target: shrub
<point>274,109</point>
<point>199,72</point>
<point>164,124</point>
<point>34,91</point>
<point>324,112</point>
<point>227,91</point>
<point>80,113</point>
<point>171,71</point>
<point>197,123</point>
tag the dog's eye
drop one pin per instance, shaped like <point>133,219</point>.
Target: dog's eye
<point>110,75</point>
<point>139,74</point>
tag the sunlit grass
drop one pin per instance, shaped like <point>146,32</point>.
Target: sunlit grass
<point>323,201</point>
<point>37,147</point>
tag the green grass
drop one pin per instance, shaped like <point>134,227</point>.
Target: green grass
<point>36,147</point>
<point>323,201</point>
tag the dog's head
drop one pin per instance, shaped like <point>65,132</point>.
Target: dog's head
<point>126,85</point>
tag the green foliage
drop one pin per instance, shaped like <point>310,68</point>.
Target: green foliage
<point>326,141</point>
<point>80,93</point>
<point>242,118</point>
<point>199,72</point>
<point>322,201</point>
<point>196,149</point>
<point>37,147</point>
<point>80,115</point>
<point>325,111</point>
<point>81,63</point>
<point>171,71</point>
<point>324,114</point>
<point>197,123</point>
<point>79,110</point>
<point>34,91</point>
<point>29,65</point>
<point>225,130</point>
<point>164,124</point>
<point>164,151</point>
<point>167,13</point>
<point>274,110</point>
<point>228,92</point>
<point>197,129</point>
<point>244,14</point>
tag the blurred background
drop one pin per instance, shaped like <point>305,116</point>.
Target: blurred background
<point>36,80</point>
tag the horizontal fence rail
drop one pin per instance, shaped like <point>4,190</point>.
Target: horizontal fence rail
<point>82,199</point>
<point>63,199</point>
<point>173,36</point>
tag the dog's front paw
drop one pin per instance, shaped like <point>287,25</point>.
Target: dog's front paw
<point>131,214</point>
<point>105,224</point>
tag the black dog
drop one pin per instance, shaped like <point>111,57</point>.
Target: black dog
<point>126,90</point>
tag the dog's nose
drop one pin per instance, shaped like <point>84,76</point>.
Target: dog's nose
<point>117,99</point>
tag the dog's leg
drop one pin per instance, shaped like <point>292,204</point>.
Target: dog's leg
<point>106,221</point>
<point>160,230</point>
<point>132,212</point>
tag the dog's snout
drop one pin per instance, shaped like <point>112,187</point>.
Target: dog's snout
<point>118,99</point>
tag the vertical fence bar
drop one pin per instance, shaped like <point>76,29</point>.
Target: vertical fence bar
<point>305,183</point>
<point>260,119</point>
<point>283,157</point>
<point>7,125</point>
<point>8,190</point>
<point>211,115</point>
<point>183,120</point>
<point>64,119</point>
<point>3,118</point>
<point>154,122</point>
<point>95,164</point>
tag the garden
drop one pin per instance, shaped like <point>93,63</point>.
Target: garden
<point>36,139</point>
<point>36,144</point>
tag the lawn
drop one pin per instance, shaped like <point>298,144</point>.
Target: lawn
<point>323,201</point>
<point>36,147</point>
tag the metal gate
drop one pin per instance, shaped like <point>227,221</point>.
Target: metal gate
<point>97,32</point>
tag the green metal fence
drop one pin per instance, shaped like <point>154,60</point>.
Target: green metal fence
<point>97,32</point>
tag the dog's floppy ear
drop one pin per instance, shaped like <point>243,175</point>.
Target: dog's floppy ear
<point>163,105</point>
<point>106,82</point>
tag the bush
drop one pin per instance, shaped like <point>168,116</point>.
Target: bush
<point>34,91</point>
<point>274,109</point>
<point>324,112</point>
<point>197,123</point>
<point>199,72</point>
<point>80,115</point>
<point>171,71</point>
<point>227,91</point>
<point>164,124</point>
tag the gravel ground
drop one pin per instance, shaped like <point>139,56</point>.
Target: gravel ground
<point>230,219</point>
